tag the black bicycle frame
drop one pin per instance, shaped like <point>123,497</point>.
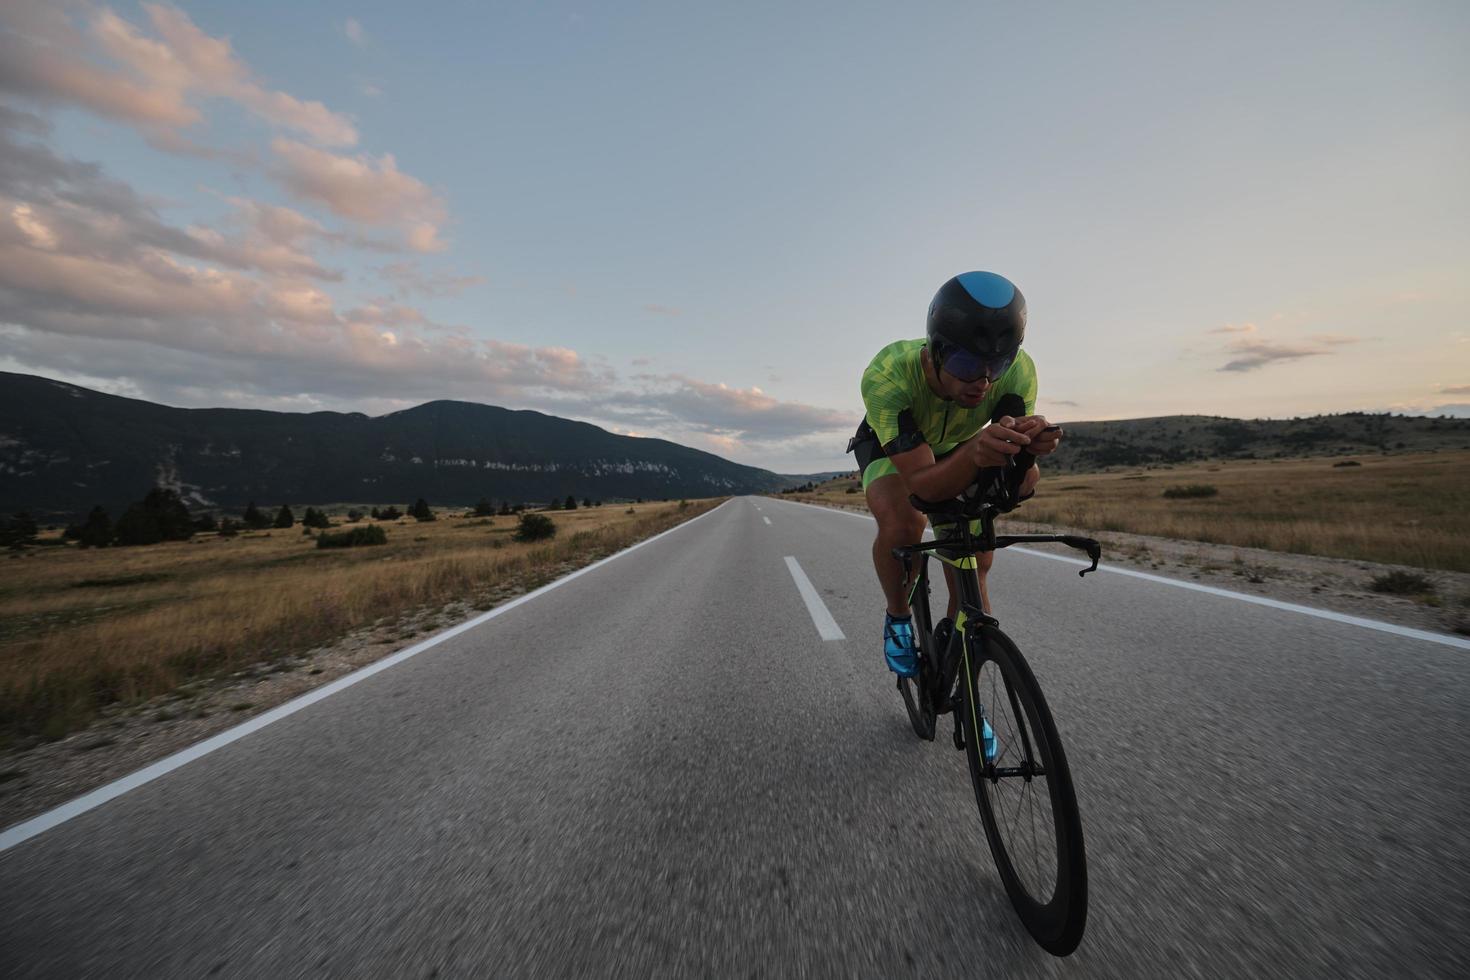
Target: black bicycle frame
<point>956,547</point>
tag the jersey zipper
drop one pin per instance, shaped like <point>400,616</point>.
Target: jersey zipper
<point>944,426</point>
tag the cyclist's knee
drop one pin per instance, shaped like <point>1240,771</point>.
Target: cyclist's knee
<point>894,523</point>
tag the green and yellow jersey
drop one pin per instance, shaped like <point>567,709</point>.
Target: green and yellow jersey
<point>903,411</point>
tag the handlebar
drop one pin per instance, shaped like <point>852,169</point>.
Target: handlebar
<point>996,491</point>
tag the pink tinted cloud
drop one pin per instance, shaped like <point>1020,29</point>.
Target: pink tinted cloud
<point>748,414</point>
<point>153,81</point>
<point>364,189</point>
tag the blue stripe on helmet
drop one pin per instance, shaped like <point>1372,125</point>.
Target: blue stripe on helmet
<point>988,288</point>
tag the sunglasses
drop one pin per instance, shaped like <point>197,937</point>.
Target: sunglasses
<point>970,367</point>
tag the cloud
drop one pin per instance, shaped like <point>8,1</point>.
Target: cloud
<point>1249,351</point>
<point>1455,390</point>
<point>364,189</point>
<point>70,207</point>
<point>153,81</point>
<point>747,414</point>
<point>410,279</point>
<point>353,29</point>
<point>88,264</point>
<point>661,310</point>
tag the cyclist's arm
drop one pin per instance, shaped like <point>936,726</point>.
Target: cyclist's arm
<point>933,480</point>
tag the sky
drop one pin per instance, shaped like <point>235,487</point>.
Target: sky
<point>700,221</point>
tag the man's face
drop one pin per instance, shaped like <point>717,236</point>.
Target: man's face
<point>966,393</point>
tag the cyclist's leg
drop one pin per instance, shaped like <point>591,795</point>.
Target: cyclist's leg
<point>899,525</point>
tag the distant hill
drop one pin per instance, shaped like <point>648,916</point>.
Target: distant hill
<point>64,448</point>
<point>1092,446</point>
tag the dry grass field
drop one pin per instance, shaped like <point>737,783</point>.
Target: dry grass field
<point>1404,509</point>
<point>84,629</point>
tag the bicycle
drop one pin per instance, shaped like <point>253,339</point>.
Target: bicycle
<point>1001,719</point>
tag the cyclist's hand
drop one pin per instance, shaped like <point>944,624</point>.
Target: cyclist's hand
<point>997,442</point>
<point>1042,441</point>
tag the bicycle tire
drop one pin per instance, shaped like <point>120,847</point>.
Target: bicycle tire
<point>1052,906</point>
<point>922,714</point>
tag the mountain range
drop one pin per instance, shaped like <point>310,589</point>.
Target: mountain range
<point>64,449</point>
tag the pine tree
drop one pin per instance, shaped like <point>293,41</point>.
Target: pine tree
<point>484,508</point>
<point>420,511</point>
<point>571,503</point>
<point>284,517</point>
<point>253,518</point>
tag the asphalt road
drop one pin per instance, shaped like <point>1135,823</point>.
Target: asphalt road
<point>660,768</point>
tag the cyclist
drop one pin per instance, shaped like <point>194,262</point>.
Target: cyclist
<point>928,403</point>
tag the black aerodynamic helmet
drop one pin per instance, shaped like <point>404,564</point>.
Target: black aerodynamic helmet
<point>977,321</point>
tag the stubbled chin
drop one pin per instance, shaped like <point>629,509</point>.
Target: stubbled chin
<point>968,401</point>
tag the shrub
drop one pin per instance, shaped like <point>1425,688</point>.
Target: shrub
<point>484,508</point>
<point>1348,462</point>
<point>284,517</point>
<point>352,537</point>
<point>1191,490</point>
<point>19,531</point>
<point>570,504</point>
<point>159,516</point>
<point>315,518</point>
<point>535,527</point>
<point>388,514</point>
<point>420,511</point>
<point>1401,583</point>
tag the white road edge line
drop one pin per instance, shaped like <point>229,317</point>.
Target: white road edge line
<point>24,831</point>
<point>1444,639</point>
<point>821,618</point>
<point>766,519</point>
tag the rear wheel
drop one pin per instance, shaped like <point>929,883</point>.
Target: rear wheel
<point>920,708</point>
<point>916,699</point>
<point>1024,791</point>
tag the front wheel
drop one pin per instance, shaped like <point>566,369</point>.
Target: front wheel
<point>1024,791</point>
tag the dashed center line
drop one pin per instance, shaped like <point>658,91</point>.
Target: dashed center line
<point>821,618</point>
<point>766,519</point>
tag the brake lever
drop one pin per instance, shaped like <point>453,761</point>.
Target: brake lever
<point>1094,551</point>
